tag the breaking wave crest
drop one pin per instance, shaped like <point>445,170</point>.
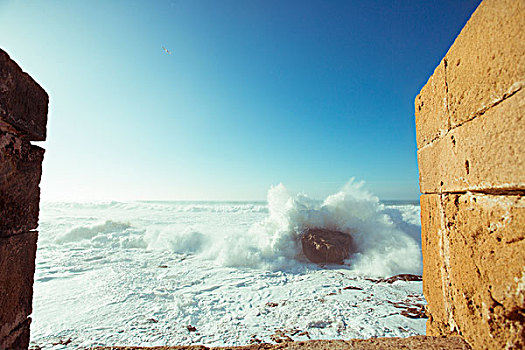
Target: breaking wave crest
<point>382,247</point>
<point>89,232</point>
<point>186,241</point>
<point>111,234</point>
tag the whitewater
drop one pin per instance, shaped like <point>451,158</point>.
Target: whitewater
<point>149,273</point>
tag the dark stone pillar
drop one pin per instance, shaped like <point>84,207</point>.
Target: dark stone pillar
<point>23,118</point>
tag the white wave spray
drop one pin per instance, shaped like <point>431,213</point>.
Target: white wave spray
<point>382,248</point>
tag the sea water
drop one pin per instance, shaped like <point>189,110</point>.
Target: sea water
<point>148,273</point>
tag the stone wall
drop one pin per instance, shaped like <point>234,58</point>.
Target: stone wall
<point>470,125</point>
<point>23,118</point>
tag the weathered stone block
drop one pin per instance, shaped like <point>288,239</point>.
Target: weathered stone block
<point>431,108</point>
<point>434,271</point>
<point>486,153</point>
<point>20,172</point>
<point>487,60</point>
<point>17,267</point>
<point>23,103</point>
<point>480,246</point>
<point>484,66</point>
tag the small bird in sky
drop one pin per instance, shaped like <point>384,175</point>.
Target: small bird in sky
<point>166,50</point>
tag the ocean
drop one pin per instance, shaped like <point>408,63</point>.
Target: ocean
<point>148,273</point>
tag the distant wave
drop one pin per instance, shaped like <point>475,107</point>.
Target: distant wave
<point>110,233</point>
<point>223,208</point>
<point>81,233</point>
<point>170,206</point>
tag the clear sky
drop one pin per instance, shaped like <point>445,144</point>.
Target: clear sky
<point>307,93</point>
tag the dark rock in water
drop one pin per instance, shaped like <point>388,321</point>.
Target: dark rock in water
<point>323,246</point>
<point>63,342</point>
<point>352,287</point>
<point>403,277</point>
<point>414,312</point>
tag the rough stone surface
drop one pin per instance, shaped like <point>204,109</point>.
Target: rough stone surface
<point>23,118</point>
<point>433,267</point>
<point>323,246</point>
<point>487,60</point>
<point>17,267</point>
<point>417,342</point>
<point>20,172</point>
<point>19,338</point>
<point>431,108</point>
<point>487,153</point>
<point>23,103</point>
<point>474,267</point>
<point>471,147</point>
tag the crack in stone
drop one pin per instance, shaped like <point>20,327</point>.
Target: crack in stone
<point>444,250</point>
<point>447,106</point>
<point>515,240</point>
<point>488,192</point>
<point>17,233</point>
<point>19,326</point>
<point>513,90</point>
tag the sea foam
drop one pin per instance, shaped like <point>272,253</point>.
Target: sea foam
<point>139,272</point>
<point>386,238</point>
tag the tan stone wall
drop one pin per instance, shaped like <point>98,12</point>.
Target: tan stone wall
<point>23,118</point>
<point>470,125</point>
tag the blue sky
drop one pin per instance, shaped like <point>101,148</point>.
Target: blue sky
<point>307,93</point>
